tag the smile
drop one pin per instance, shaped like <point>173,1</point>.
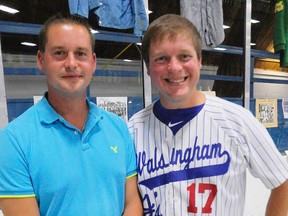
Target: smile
<point>176,80</point>
<point>72,77</point>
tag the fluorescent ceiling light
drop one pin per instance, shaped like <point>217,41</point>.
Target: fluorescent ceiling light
<point>252,44</point>
<point>94,31</point>
<point>219,48</point>
<point>127,60</point>
<point>28,44</point>
<point>139,44</point>
<point>254,21</point>
<point>8,9</point>
<point>226,27</point>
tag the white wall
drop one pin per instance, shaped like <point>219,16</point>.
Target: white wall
<point>3,102</point>
<point>269,90</point>
<point>256,196</point>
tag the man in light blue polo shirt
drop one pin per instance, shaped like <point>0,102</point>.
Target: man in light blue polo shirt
<point>64,155</point>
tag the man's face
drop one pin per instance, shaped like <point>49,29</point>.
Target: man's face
<point>174,69</point>
<point>68,60</point>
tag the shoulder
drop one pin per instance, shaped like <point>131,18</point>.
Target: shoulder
<point>30,121</point>
<point>17,134</point>
<point>223,111</point>
<point>218,104</point>
<point>142,114</point>
<point>229,114</point>
<point>24,120</point>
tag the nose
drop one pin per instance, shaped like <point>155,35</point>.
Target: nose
<point>70,62</point>
<point>174,65</point>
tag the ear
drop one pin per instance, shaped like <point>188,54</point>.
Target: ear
<point>94,61</point>
<point>40,61</point>
<point>148,70</point>
<point>200,63</point>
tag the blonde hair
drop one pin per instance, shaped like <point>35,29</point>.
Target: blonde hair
<point>170,25</point>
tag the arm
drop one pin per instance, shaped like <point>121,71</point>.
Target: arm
<point>133,205</point>
<point>19,206</point>
<point>277,203</point>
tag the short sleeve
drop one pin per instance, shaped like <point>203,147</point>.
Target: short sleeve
<point>131,156</point>
<point>15,180</point>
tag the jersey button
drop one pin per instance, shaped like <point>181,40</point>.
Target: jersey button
<point>76,132</point>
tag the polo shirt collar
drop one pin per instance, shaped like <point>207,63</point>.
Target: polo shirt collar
<point>48,115</point>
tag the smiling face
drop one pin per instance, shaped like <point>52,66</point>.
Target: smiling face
<point>68,60</point>
<point>174,68</point>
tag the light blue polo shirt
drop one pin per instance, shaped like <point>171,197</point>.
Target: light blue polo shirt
<point>69,172</point>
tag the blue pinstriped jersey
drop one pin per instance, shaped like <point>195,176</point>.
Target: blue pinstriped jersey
<point>201,169</point>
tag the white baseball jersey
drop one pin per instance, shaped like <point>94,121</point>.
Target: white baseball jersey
<point>201,169</point>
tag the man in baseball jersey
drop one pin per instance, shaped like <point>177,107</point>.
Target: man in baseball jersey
<point>193,150</point>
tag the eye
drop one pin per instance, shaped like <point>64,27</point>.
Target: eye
<point>161,59</point>
<point>59,52</point>
<point>185,57</point>
<point>81,53</point>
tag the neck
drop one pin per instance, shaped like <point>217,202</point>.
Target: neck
<point>196,99</point>
<point>74,110</point>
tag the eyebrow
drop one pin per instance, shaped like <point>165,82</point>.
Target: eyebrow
<point>63,47</point>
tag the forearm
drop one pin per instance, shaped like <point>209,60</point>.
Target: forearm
<point>133,209</point>
<point>133,204</point>
<point>277,203</point>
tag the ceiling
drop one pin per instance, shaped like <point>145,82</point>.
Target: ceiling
<point>37,11</point>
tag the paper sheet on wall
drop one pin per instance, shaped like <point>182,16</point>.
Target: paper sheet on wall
<point>267,112</point>
<point>117,105</point>
<point>36,99</point>
<point>285,107</point>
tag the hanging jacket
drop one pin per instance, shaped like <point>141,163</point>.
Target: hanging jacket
<point>119,14</point>
<point>280,36</point>
<point>207,16</point>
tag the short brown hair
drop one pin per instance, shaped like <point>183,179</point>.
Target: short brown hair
<point>60,19</point>
<point>170,25</point>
